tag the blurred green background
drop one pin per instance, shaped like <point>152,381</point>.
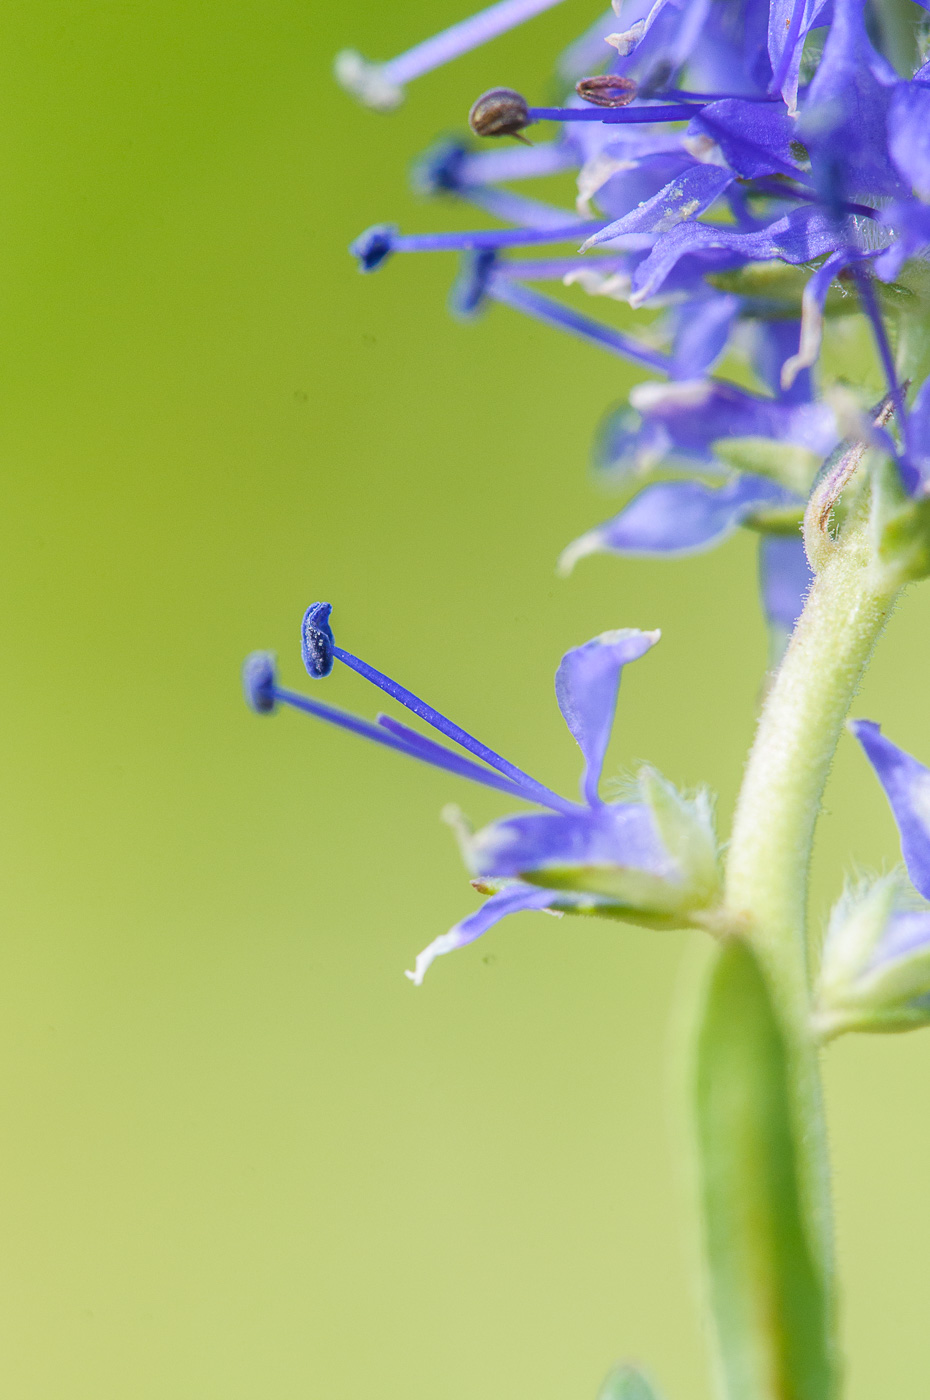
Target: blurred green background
<point>241,1155</point>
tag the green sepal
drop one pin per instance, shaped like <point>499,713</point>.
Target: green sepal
<point>856,991</point>
<point>904,542</point>
<point>626,1382</point>
<point>686,826</point>
<point>766,1293</point>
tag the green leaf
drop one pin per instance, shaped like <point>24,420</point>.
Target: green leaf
<point>626,1383</point>
<point>766,1293</point>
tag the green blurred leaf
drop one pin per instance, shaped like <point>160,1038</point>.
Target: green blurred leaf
<point>625,1382</point>
<point>765,1290</point>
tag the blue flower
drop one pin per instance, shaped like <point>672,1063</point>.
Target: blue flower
<point>650,861</point>
<point>875,972</point>
<point>752,188</point>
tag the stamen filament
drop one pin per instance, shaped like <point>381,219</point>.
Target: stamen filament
<point>475,239</point>
<point>871,308</point>
<point>680,112</point>
<point>424,750</point>
<point>431,752</point>
<point>460,38</point>
<point>452,731</point>
<point>511,293</point>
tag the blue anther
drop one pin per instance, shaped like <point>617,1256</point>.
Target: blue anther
<point>258,682</point>
<point>373,246</point>
<point>439,170</point>
<point>316,640</point>
<point>471,285</point>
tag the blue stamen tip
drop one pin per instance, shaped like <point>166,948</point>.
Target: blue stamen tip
<point>317,641</point>
<point>439,170</point>
<point>471,285</point>
<point>258,682</point>
<point>373,246</point>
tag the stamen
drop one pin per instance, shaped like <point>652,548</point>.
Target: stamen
<point>870,306</point>
<point>412,745</point>
<point>258,682</point>
<point>542,308</point>
<point>373,246</point>
<point>316,640</point>
<point>680,112</point>
<point>499,112</point>
<point>606,90</point>
<point>381,85</point>
<point>451,167</point>
<point>452,731</point>
<point>431,752</point>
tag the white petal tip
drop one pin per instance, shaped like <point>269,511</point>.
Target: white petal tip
<point>587,544</point>
<point>364,80</point>
<point>415,977</point>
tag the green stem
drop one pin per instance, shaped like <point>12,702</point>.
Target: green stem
<point>770,849</point>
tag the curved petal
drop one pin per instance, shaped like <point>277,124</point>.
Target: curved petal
<point>795,238</point>
<point>907,787</point>
<point>507,901</point>
<point>677,517</point>
<point>586,686</point>
<point>682,198</point>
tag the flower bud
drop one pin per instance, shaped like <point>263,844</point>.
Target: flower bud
<point>875,969</point>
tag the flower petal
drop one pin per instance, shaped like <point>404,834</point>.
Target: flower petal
<point>586,686</point>
<point>756,138</point>
<point>677,517</point>
<point>909,135</point>
<point>512,900</point>
<point>786,579</point>
<point>907,787</point>
<point>795,238</point>
<point>684,197</point>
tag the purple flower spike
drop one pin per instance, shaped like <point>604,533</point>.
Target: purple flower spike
<point>586,686</point>
<point>673,518</point>
<point>907,787</point>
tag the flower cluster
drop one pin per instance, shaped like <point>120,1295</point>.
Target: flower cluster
<point>750,169</point>
<point>651,861</point>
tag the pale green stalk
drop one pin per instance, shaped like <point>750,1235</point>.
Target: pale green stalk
<point>770,849</point>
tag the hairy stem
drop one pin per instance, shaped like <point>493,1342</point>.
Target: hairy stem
<point>769,857</point>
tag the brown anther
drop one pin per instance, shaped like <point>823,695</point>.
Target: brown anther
<point>499,112</point>
<point>607,90</point>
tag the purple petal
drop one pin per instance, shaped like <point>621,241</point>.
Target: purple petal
<point>701,333</point>
<point>678,517</point>
<point>508,901</point>
<point>774,342</point>
<point>920,432</point>
<point>682,198</point>
<point>909,222</point>
<point>905,933</point>
<point>813,299</point>
<point>909,135</point>
<point>786,579</point>
<point>907,787</point>
<point>586,686</point>
<point>756,138</point>
<point>622,835</point>
<point>795,238</point>
<point>846,109</point>
<point>789,23</point>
